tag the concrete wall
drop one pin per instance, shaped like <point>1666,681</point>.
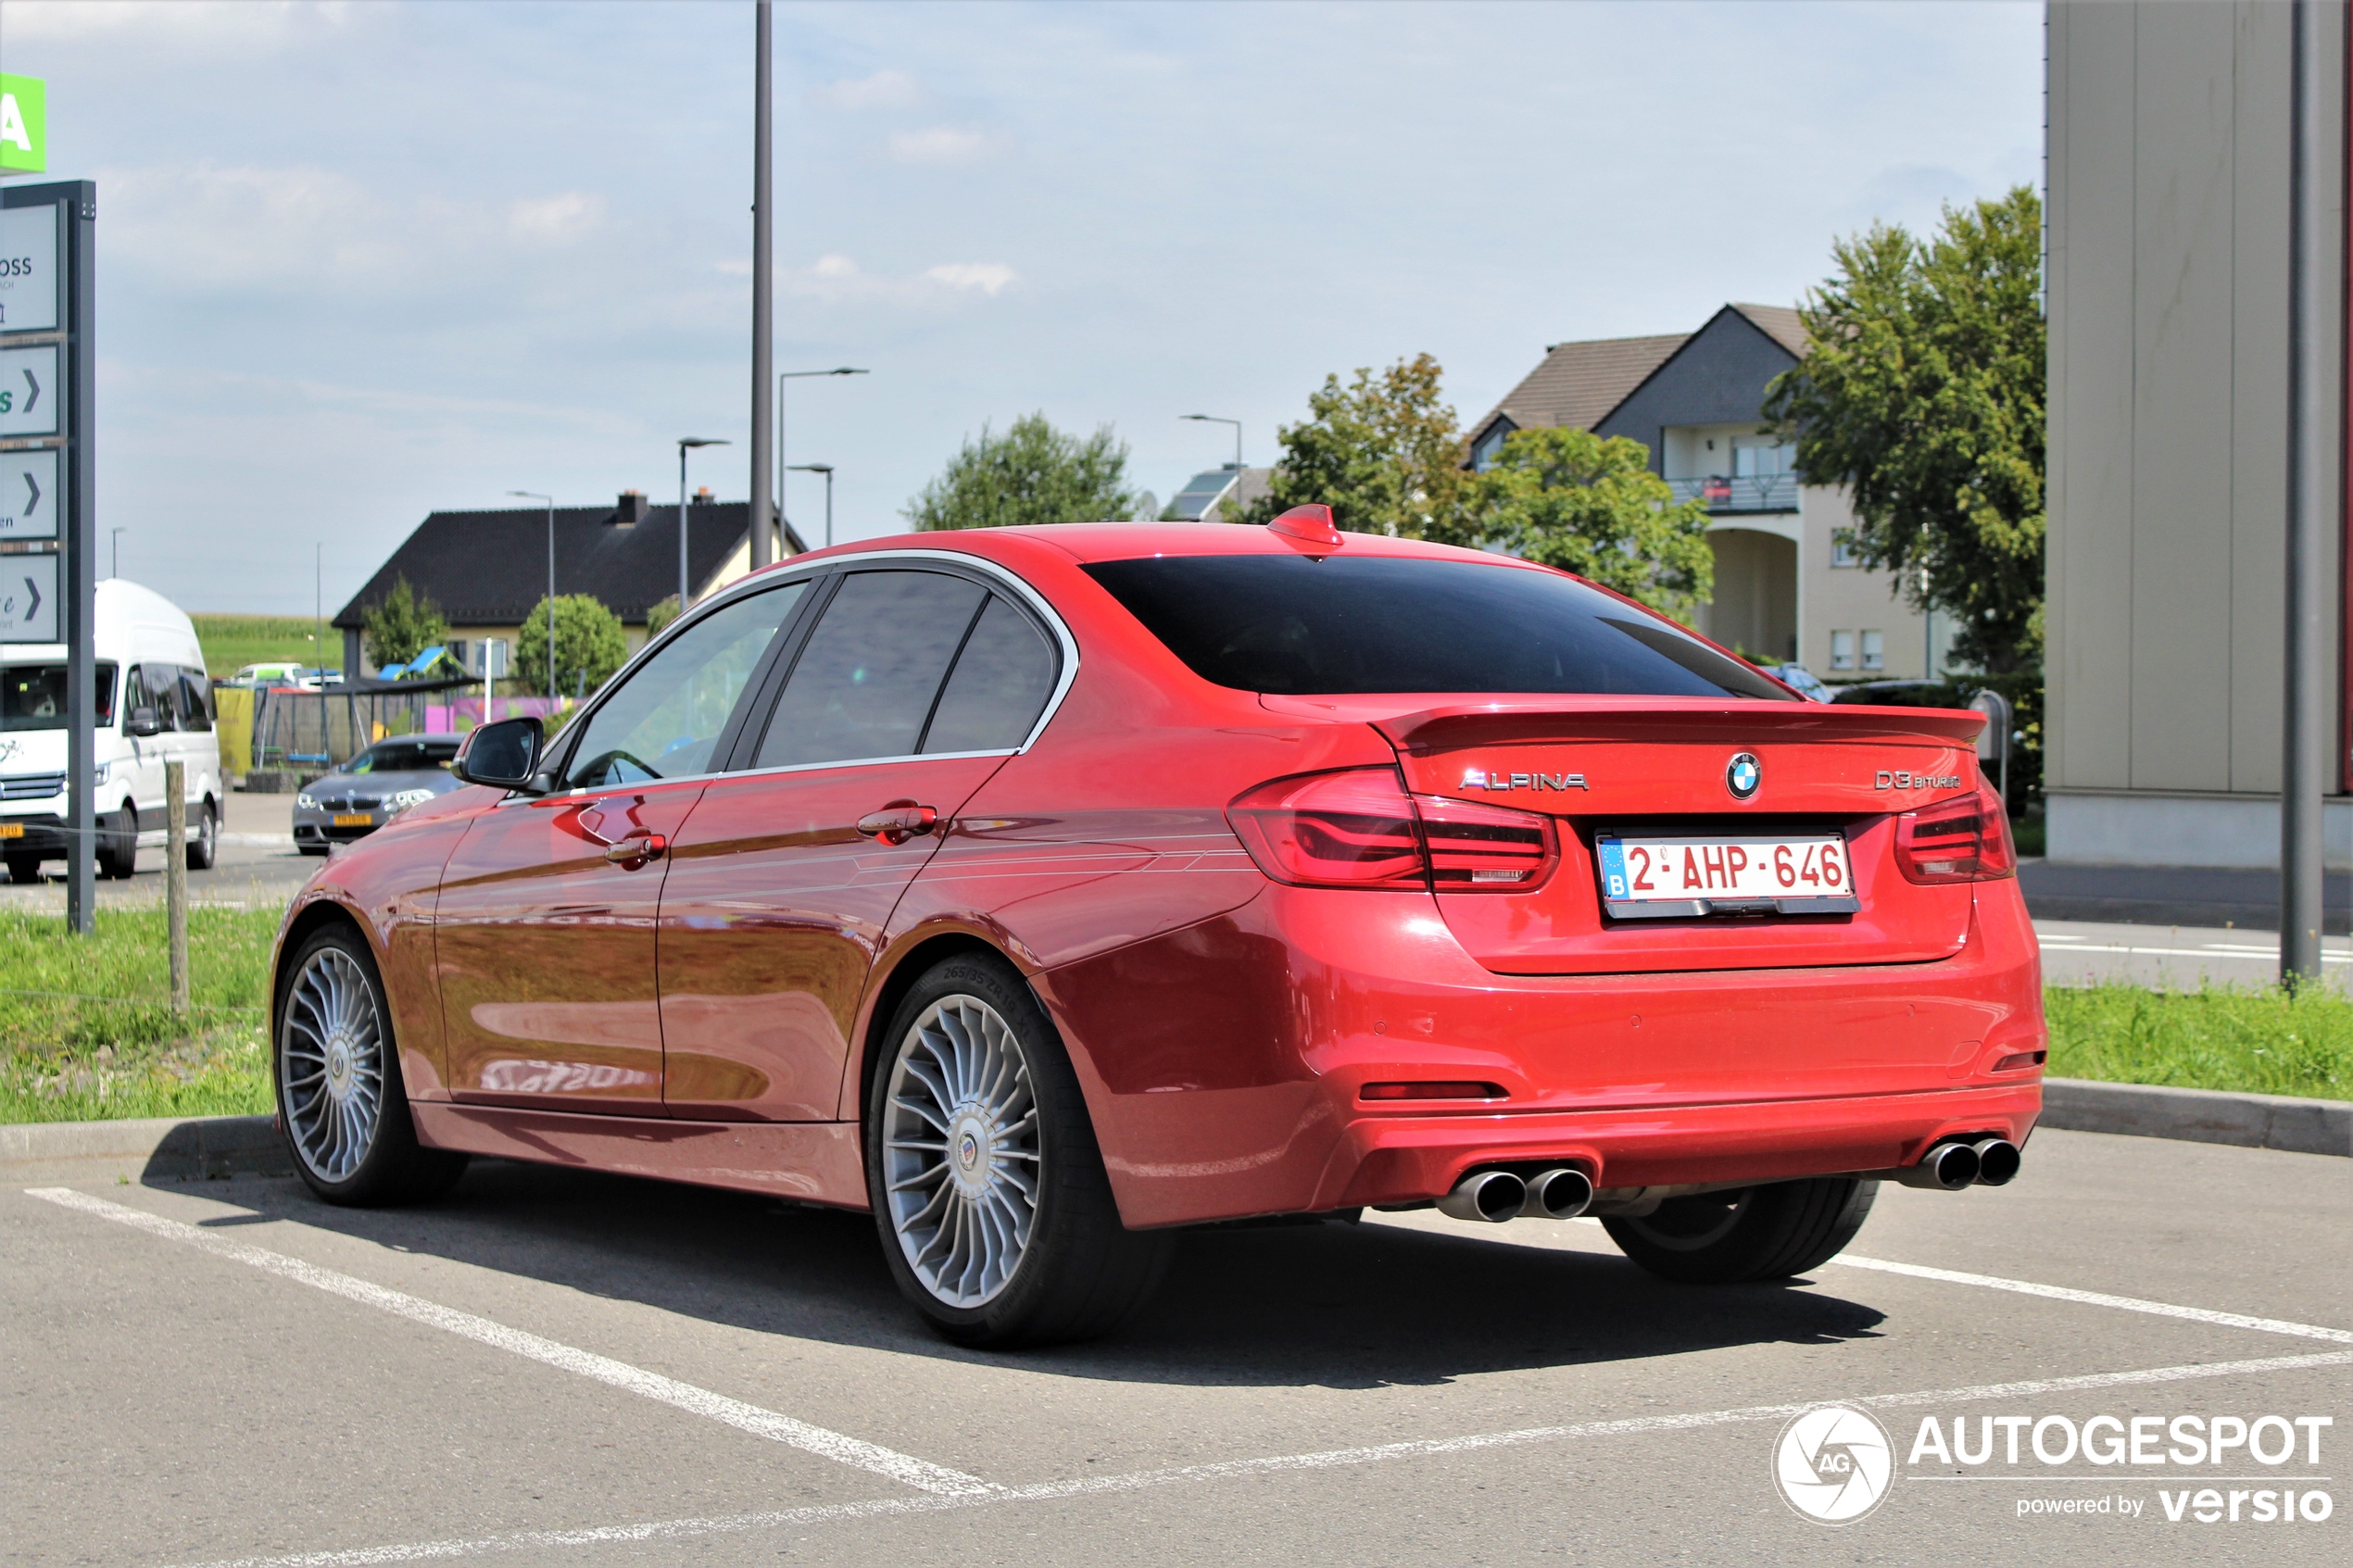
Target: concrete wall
<point>2167,288</point>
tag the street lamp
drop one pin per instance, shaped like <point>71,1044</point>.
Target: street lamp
<point>686,443</point>
<point>1215,420</point>
<point>828,469</point>
<point>535,495</point>
<point>117,552</point>
<point>782,377</point>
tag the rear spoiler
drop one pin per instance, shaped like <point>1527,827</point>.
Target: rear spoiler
<point>1453,726</point>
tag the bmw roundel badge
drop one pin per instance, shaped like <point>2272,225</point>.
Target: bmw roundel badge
<point>1743,774</point>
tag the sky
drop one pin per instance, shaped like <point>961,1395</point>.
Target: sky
<point>361,261</point>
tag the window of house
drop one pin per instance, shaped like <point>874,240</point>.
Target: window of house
<point>1483,452</point>
<point>1841,650</point>
<point>1843,551</point>
<point>1757,457</point>
<point>1874,650</point>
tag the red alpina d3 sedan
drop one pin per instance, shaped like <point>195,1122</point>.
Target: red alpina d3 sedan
<point>1043,890</point>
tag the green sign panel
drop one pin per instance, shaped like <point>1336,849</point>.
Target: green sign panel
<point>24,125</point>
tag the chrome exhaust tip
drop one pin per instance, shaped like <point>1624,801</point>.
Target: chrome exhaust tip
<point>1557,1195</point>
<point>1997,1161</point>
<point>1490,1197</point>
<point>1946,1168</point>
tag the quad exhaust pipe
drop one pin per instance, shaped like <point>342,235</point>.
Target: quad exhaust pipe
<point>1493,1197</point>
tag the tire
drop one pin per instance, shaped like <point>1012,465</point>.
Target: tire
<point>118,853</point>
<point>24,869</point>
<point>337,1075</point>
<point>1754,1233</point>
<point>203,842</point>
<point>1003,1232</point>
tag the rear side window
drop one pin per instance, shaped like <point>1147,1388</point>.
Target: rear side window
<point>865,685</point>
<point>1290,624</point>
<point>1000,684</point>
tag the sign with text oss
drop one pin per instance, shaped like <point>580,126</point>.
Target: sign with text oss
<point>32,495</point>
<point>28,599</point>
<point>30,274</point>
<point>24,125</point>
<point>30,395</point>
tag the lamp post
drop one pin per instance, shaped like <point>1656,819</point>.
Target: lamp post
<point>1215,420</point>
<point>828,469</point>
<point>782,377</point>
<point>117,544</point>
<point>535,495</point>
<point>686,443</point>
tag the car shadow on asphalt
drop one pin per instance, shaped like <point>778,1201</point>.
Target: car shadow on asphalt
<point>1332,1306</point>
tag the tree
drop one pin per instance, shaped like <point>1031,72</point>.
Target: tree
<point>660,613</point>
<point>1590,505</point>
<point>1384,452</point>
<point>1924,396</point>
<point>589,645</point>
<point>1031,473</point>
<point>402,625</point>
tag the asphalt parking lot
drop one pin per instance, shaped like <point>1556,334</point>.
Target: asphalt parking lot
<point>558,1366</point>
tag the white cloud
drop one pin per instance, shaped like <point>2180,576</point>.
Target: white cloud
<point>242,21</point>
<point>556,218</point>
<point>884,90</point>
<point>943,144</point>
<point>837,279</point>
<point>987,277</point>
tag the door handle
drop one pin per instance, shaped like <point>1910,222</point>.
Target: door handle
<point>898,822</point>
<point>637,850</point>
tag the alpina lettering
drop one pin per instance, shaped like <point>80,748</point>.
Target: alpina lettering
<point>1479,778</point>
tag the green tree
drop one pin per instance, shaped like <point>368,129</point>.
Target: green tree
<point>660,613</point>
<point>1384,452</point>
<point>1031,473</point>
<point>402,625</point>
<point>589,645</point>
<point>1590,505</point>
<point>1924,396</point>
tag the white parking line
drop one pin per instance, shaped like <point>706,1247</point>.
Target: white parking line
<point>1095,1485</point>
<point>918,1473</point>
<point>2099,1298</point>
<point>2057,945</point>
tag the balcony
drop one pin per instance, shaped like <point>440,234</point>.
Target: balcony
<point>1744,493</point>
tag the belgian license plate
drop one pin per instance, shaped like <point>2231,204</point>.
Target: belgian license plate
<point>11,830</point>
<point>353,819</point>
<point>1656,876</point>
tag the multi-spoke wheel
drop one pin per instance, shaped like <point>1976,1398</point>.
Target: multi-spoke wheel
<point>1749,1234</point>
<point>338,1076</point>
<point>988,1190</point>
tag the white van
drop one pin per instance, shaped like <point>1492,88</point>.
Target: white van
<point>154,704</point>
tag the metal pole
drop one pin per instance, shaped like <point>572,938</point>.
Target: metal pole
<point>829,508</point>
<point>682,528</point>
<point>76,218</point>
<point>175,876</point>
<point>551,608</point>
<point>763,363</point>
<point>2310,505</point>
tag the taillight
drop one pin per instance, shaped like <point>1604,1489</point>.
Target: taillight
<point>1964,840</point>
<point>1360,828</point>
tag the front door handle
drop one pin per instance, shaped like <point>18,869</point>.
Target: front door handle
<point>637,850</point>
<point>899,822</point>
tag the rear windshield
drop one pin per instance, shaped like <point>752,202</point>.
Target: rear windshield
<point>33,697</point>
<point>1292,624</point>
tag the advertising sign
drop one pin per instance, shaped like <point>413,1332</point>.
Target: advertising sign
<point>27,599</point>
<point>24,125</point>
<point>28,271</point>
<point>31,393</point>
<point>32,495</point>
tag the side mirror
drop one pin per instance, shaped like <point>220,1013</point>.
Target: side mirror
<point>504,754</point>
<point>144,721</point>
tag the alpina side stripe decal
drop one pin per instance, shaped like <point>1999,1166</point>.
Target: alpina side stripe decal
<point>919,1473</point>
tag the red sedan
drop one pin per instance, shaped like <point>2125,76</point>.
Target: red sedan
<point>1043,891</point>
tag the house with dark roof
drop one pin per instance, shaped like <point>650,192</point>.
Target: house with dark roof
<point>484,571</point>
<point>1787,584</point>
<point>1210,495</point>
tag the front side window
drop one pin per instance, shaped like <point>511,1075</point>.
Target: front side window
<point>664,719</point>
<point>865,685</point>
<point>195,701</point>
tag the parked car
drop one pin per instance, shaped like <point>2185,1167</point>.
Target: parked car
<point>1803,679</point>
<point>285,674</point>
<point>1898,693</point>
<point>373,787</point>
<point>148,656</point>
<point>1042,891</point>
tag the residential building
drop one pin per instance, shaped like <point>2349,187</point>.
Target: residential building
<point>1788,585</point>
<point>2167,271</point>
<point>1218,493</point>
<point>484,571</point>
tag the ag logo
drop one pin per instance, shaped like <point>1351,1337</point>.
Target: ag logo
<point>1833,1463</point>
<point>1743,774</point>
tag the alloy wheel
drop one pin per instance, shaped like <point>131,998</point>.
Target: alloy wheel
<point>331,1064</point>
<point>962,1154</point>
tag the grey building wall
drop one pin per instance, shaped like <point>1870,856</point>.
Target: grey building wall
<point>1717,378</point>
<point>2168,297</point>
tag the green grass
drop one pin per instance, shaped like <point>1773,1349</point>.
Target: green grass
<point>232,642</point>
<point>86,1027</point>
<point>2245,1040</point>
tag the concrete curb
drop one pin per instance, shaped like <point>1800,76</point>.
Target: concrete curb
<point>165,1148</point>
<point>2148,1111</point>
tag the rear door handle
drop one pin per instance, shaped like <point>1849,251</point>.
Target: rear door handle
<point>900,821</point>
<point>637,850</point>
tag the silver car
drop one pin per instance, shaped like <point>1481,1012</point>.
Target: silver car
<point>372,789</point>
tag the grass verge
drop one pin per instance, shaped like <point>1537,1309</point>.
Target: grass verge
<point>232,642</point>
<point>2241,1039</point>
<point>86,1027</point>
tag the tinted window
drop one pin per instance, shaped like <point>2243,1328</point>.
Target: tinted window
<point>33,697</point>
<point>1287,623</point>
<point>664,720</point>
<point>865,685</point>
<point>1001,682</point>
<point>405,757</point>
<point>195,701</point>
